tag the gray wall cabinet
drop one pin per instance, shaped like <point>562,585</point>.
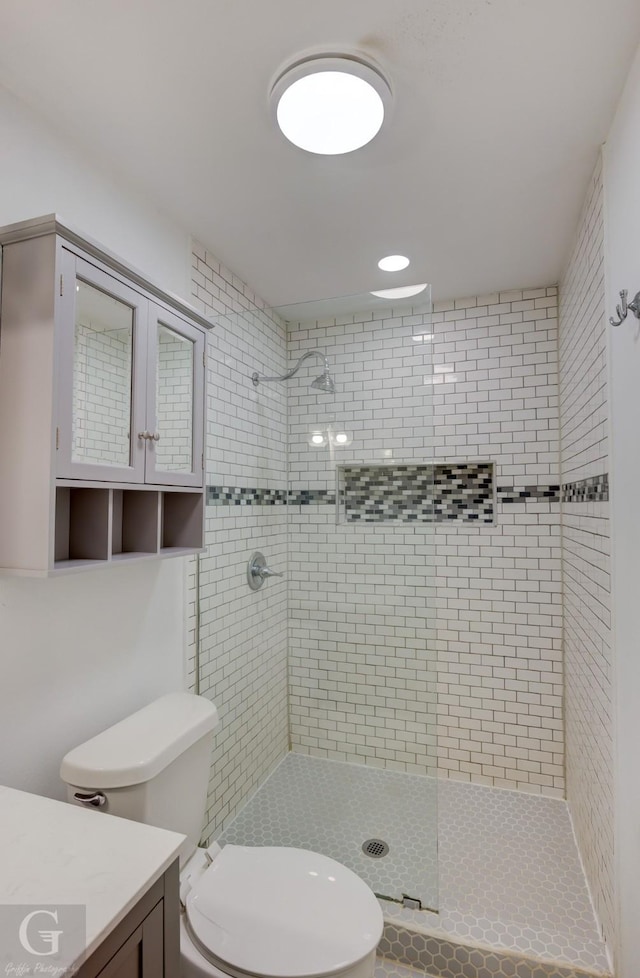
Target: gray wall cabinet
<point>102,388</point>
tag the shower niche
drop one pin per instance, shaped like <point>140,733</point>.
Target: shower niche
<point>102,381</point>
<point>416,493</point>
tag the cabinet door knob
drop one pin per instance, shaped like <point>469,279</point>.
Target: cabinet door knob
<point>143,434</point>
<point>155,436</point>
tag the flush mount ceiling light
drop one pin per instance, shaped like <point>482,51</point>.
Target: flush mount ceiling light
<point>393,263</point>
<point>403,292</point>
<point>330,104</point>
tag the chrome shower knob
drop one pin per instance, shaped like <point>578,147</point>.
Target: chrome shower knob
<point>258,572</point>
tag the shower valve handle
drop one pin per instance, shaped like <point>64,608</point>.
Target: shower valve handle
<point>258,572</point>
<point>267,572</point>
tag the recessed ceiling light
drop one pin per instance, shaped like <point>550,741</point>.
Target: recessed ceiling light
<point>403,292</point>
<point>330,104</point>
<point>393,263</point>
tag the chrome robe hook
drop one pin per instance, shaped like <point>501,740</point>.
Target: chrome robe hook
<point>623,308</point>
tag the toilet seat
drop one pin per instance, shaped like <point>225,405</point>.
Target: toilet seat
<point>280,912</point>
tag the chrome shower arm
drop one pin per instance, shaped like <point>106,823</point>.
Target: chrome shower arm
<point>256,377</point>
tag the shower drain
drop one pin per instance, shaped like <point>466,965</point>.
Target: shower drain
<point>375,848</point>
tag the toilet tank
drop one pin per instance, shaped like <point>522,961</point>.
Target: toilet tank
<point>152,767</point>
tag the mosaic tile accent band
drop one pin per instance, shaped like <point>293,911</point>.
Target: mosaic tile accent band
<point>416,493</point>
<point>419,493</point>
<point>521,494</point>
<point>593,490</point>
<point>304,497</point>
<point>229,496</point>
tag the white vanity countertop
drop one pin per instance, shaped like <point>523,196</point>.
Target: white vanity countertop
<point>53,852</point>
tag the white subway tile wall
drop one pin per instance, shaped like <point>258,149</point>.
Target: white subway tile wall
<point>498,592</point>
<point>243,632</point>
<point>383,617</point>
<point>361,651</point>
<point>384,396</point>
<point>587,635</point>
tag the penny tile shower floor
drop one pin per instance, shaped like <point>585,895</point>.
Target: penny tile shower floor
<point>509,871</point>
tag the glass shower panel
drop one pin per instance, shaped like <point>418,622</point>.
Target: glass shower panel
<point>359,784</point>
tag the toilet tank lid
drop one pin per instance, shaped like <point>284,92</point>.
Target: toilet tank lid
<point>140,746</point>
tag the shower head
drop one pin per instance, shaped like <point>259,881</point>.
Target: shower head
<point>322,383</point>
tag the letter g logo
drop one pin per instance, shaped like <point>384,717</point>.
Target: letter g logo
<point>48,938</point>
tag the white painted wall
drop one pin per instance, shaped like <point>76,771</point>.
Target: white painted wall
<point>41,173</point>
<point>79,653</point>
<point>622,257</point>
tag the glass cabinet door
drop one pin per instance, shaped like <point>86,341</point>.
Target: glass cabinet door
<point>101,416</point>
<point>175,401</point>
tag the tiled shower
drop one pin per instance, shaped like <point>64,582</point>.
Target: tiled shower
<point>461,637</point>
<point>482,598</point>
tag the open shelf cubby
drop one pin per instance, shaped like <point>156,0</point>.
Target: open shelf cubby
<point>134,527</point>
<point>181,521</point>
<point>82,524</point>
<point>99,525</point>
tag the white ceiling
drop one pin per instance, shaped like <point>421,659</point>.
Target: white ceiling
<point>478,176</point>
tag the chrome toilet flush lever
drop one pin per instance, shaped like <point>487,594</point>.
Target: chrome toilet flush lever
<point>623,308</point>
<point>94,798</point>
<point>258,572</point>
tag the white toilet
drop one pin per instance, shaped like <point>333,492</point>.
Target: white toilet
<point>250,911</point>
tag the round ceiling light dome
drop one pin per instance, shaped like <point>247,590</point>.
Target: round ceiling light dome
<point>330,104</point>
<point>394,263</point>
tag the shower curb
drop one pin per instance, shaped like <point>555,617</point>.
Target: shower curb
<point>441,957</point>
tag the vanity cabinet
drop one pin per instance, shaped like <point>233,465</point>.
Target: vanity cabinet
<point>102,387</point>
<point>146,944</point>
